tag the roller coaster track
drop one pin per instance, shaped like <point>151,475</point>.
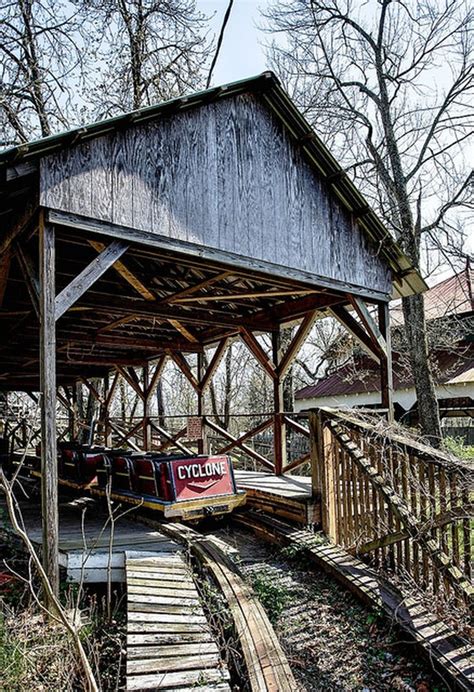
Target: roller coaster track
<point>450,654</point>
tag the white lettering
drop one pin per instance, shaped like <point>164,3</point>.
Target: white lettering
<point>210,468</point>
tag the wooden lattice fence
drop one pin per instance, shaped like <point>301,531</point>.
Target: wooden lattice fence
<point>401,505</point>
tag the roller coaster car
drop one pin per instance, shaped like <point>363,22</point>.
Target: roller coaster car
<point>189,487</point>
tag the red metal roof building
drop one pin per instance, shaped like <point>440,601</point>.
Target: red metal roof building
<point>357,383</point>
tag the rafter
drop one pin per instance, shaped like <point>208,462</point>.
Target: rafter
<point>117,323</point>
<point>197,287</point>
<point>247,295</point>
<point>184,331</point>
<point>129,306</point>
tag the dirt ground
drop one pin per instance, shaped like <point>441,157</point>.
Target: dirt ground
<point>332,641</point>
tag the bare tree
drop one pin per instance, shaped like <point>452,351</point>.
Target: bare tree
<point>151,51</point>
<point>65,63</point>
<point>327,348</point>
<point>41,63</point>
<point>388,84</point>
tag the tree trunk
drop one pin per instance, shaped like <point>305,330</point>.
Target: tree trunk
<point>415,329</point>
<point>228,387</point>
<point>160,403</point>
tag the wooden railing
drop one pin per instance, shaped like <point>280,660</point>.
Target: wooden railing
<point>401,505</point>
<point>249,438</point>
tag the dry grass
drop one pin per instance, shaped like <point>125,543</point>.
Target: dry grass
<point>35,654</point>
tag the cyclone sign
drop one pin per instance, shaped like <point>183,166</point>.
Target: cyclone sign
<point>201,477</point>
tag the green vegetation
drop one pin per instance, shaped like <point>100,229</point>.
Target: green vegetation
<point>35,654</point>
<point>273,596</point>
<point>456,446</point>
<point>12,662</point>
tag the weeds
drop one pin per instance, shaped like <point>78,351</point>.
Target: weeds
<point>273,596</point>
<point>456,446</point>
<point>35,654</point>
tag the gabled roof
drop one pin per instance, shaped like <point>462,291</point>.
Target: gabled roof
<point>407,279</point>
<point>453,296</point>
<point>363,376</point>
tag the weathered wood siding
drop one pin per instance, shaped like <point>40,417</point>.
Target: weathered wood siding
<point>226,176</point>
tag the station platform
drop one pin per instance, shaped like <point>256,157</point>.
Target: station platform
<point>90,549</point>
<point>289,497</point>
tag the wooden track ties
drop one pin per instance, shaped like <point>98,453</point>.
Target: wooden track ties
<point>169,643</point>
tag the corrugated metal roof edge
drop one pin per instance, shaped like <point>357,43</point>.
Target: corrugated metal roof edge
<point>406,276</point>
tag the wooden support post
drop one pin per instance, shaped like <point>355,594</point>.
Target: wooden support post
<point>146,408</point>
<point>329,511</point>
<point>317,456</point>
<point>386,373</point>
<point>279,426</point>
<point>202,446</point>
<point>49,464</point>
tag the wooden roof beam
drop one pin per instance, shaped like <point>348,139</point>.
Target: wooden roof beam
<point>129,342</point>
<point>214,364</point>
<point>230,297</point>
<point>369,323</point>
<point>254,347</point>
<point>130,306</point>
<point>296,343</point>
<point>184,331</point>
<point>117,323</point>
<point>205,257</point>
<point>180,295</point>
<point>356,329</point>
<point>126,274</point>
<point>292,309</point>
<point>89,275</point>
<point>182,364</point>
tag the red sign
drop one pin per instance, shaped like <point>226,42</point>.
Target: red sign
<point>201,477</point>
<point>194,428</point>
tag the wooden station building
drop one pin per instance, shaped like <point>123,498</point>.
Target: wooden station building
<point>175,228</point>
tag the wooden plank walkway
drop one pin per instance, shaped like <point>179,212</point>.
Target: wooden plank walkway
<point>266,665</point>
<point>170,645</point>
<point>289,497</point>
<point>169,642</point>
<point>449,653</point>
<point>91,549</point>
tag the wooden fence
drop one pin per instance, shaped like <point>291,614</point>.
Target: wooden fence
<point>249,438</point>
<point>399,504</point>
